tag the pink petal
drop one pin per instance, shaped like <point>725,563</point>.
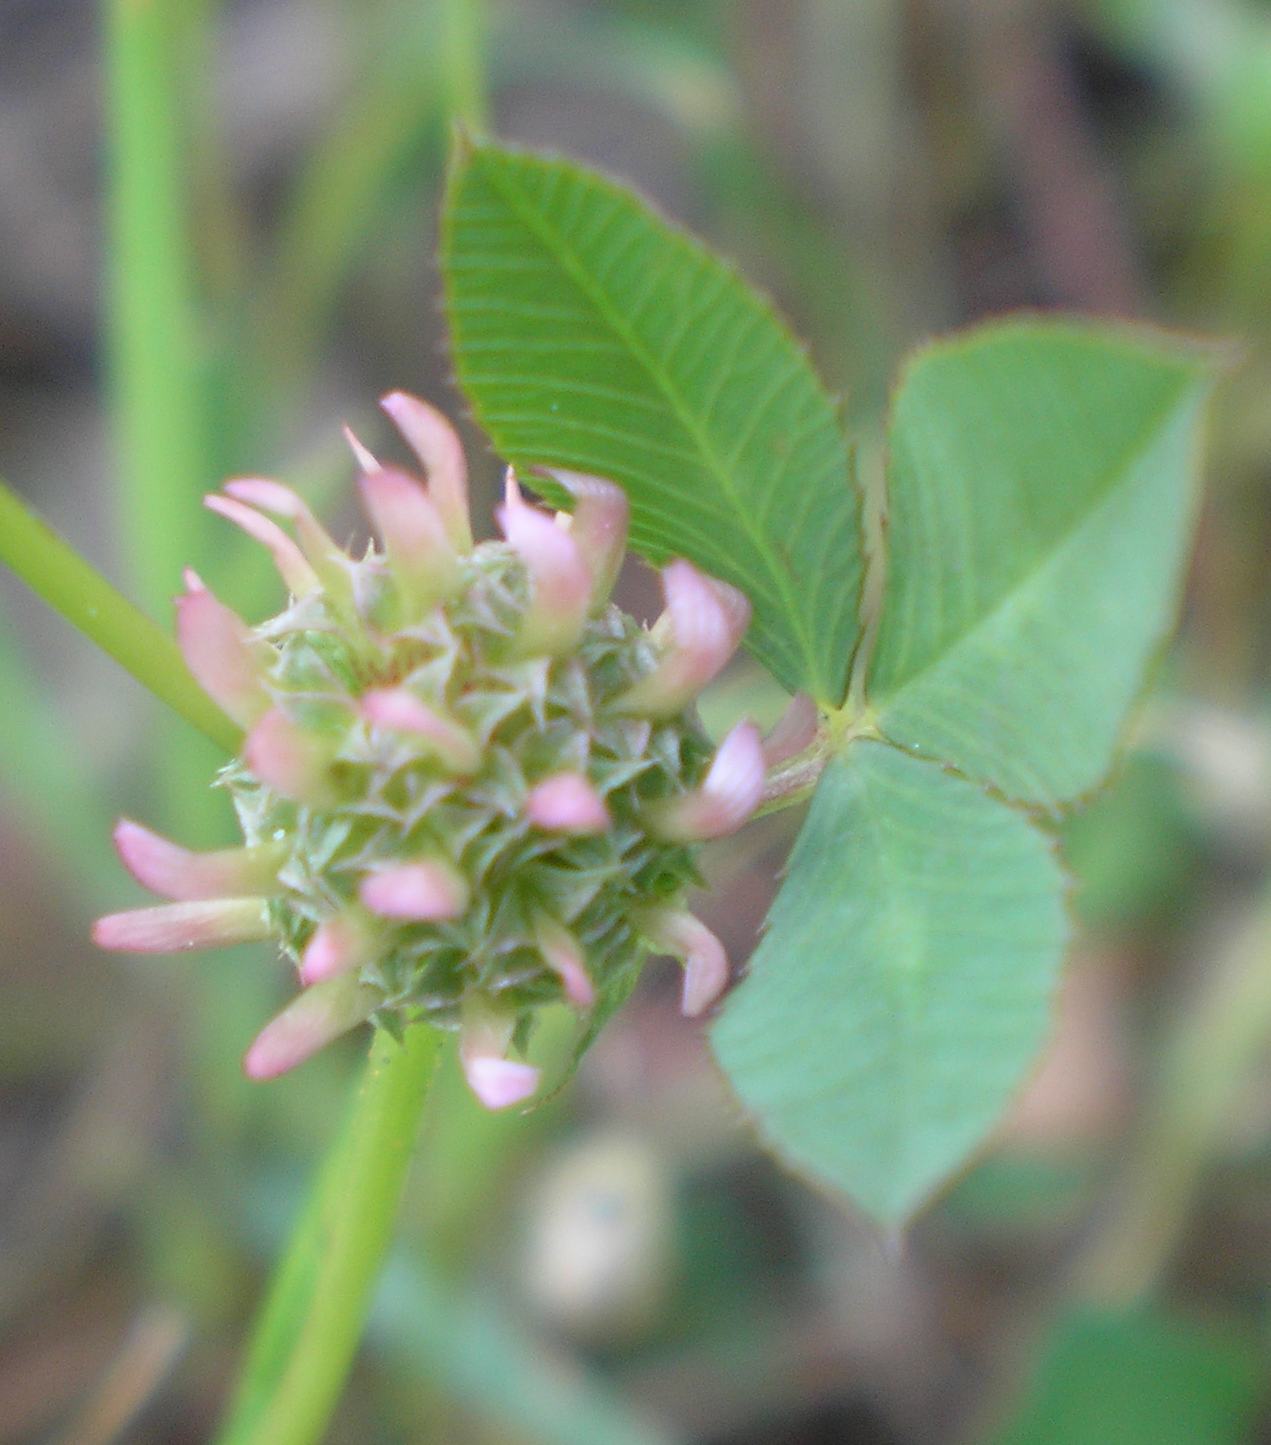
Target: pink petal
<point>330,563</point>
<point>704,621</point>
<point>567,803</point>
<point>436,443</point>
<point>564,956</point>
<point>290,759</point>
<point>728,795</point>
<point>174,872</point>
<point>308,1023</point>
<point>337,946</point>
<point>420,554</point>
<point>299,577</point>
<point>600,519</point>
<point>560,580</point>
<point>180,927</point>
<point>428,891</point>
<point>484,1038</point>
<point>794,732</point>
<point>221,652</point>
<point>500,1083</point>
<point>398,709</point>
<point>678,933</point>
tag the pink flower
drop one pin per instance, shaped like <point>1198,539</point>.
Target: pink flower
<point>567,803</point>
<point>725,799</point>
<point>221,652</point>
<point>703,623</point>
<point>426,891</point>
<point>174,872</point>
<point>309,1022</point>
<point>496,1080</point>
<point>679,933</point>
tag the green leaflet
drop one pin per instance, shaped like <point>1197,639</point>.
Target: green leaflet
<point>1040,496</point>
<point>590,334</point>
<point>903,985</point>
<point>1138,1377</point>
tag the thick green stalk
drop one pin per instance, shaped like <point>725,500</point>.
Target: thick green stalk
<point>308,1330</point>
<point>76,589</point>
<point>153,348</point>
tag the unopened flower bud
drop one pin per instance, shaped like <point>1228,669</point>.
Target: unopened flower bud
<point>426,891</point>
<point>226,660</point>
<point>700,630</point>
<point>484,1039</point>
<point>725,798</point>
<point>309,1022</point>
<point>171,871</point>
<point>599,527</point>
<point>436,444</point>
<point>567,803</point>
<point>183,927</point>
<point>677,932</point>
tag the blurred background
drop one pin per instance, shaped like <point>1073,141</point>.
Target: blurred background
<point>622,1267</point>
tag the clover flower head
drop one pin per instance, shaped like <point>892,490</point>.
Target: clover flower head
<point>470,785</point>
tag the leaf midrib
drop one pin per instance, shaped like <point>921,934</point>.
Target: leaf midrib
<point>886,870</point>
<point>1099,498</point>
<point>592,290</point>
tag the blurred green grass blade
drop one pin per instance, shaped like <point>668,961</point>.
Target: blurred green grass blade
<point>73,587</point>
<point>1041,488</point>
<point>312,1320</point>
<point>1138,1378</point>
<point>588,333</point>
<point>153,346</point>
<point>45,776</point>
<point>468,1343</point>
<point>903,983</point>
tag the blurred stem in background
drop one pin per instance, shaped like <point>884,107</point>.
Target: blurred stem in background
<point>153,324</point>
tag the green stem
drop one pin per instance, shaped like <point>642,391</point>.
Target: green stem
<point>463,68</point>
<point>308,1330</point>
<point>76,589</point>
<point>155,358</point>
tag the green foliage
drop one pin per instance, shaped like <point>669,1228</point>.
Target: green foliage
<point>903,985</point>
<point>1039,499</point>
<point>1137,1378</point>
<point>590,334</point>
<point>1040,495</point>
